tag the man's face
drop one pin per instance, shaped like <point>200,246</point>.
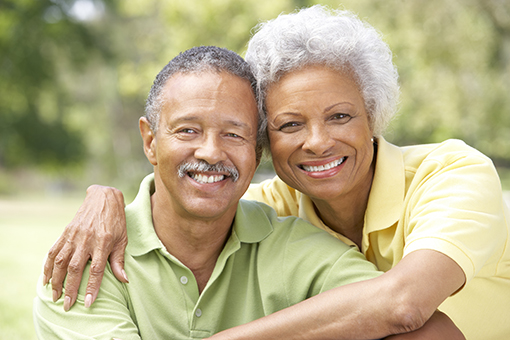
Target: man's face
<point>207,119</point>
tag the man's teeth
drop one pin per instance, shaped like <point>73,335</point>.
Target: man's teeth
<point>207,179</point>
<point>324,167</point>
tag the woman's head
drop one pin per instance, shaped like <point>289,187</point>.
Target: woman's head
<point>336,39</point>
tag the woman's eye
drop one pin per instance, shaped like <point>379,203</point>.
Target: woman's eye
<point>341,117</point>
<point>185,130</point>
<point>290,126</point>
<point>234,135</point>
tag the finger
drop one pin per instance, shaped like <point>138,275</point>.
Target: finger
<point>96,273</point>
<point>50,259</point>
<point>117,260</point>
<point>74,276</point>
<point>60,270</point>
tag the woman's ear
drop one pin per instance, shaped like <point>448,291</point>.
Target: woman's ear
<point>149,140</point>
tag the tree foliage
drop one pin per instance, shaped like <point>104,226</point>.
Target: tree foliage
<point>74,74</point>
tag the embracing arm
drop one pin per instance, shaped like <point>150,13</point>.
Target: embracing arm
<point>97,231</point>
<point>438,327</point>
<point>399,301</point>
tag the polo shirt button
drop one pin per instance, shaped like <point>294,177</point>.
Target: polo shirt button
<point>184,280</point>
<point>198,312</point>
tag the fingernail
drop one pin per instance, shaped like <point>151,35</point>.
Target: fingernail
<point>55,295</point>
<point>45,280</point>
<point>67,303</point>
<point>125,275</point>
<point>88,300</point>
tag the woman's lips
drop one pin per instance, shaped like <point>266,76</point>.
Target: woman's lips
<point>323,167</point>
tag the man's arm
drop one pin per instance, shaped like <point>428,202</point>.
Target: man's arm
<point>399,301</point>
<point>98,231</point>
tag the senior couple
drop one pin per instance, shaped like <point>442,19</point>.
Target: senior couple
<point>203,263</point>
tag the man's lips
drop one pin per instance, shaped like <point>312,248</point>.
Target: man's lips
<point>204,178</point>
<point>323,167</point>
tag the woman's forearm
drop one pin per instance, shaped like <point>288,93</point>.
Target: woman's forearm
<point>399,301</point>
<point>321,318</point>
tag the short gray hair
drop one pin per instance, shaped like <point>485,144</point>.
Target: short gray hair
<point>195,60</point>
<point>333,38</point>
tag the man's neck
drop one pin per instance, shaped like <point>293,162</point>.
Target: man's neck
<point>197,243</point>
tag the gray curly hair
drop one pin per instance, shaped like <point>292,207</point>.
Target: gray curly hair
<point>336,39</point>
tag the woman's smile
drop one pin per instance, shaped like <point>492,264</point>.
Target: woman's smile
<point>319,133</point>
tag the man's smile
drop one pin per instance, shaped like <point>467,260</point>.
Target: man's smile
<point>203,178</point>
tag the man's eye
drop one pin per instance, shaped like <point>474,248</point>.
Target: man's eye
<point>234,135</point>
<point>187,130</point>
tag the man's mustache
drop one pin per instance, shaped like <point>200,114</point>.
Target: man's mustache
<point>203,166</point>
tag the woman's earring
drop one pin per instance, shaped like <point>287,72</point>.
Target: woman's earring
<point>372,139</point>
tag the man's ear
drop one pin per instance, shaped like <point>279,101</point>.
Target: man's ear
<point>149,140</point>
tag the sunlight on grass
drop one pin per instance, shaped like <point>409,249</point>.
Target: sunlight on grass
<point>28,228</point>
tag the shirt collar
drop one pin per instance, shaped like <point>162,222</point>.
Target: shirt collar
<point>386,199</point>
<point>251,223</point>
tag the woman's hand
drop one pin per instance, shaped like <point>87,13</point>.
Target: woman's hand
<point>98,230</point>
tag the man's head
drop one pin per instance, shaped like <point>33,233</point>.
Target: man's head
<point>200,132</point>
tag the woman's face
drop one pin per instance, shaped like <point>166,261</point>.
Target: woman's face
<point>319,133</point>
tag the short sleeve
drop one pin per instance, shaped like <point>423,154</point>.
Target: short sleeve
<point>107,318</point>
<point>457,209</point>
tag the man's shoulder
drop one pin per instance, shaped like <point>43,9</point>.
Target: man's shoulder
<point>285,230</point>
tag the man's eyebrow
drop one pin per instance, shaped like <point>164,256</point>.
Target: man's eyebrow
<point>186,118</point>
<point>238,124</point>
<point>235,123</point>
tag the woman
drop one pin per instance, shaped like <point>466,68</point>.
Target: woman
<point>431,216</point>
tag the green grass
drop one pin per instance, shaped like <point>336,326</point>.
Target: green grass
<point>28,228</point>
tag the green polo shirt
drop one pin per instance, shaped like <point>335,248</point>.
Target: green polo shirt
<point>268,263</point>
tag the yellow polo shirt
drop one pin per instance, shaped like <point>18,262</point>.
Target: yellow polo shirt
<point>445,197</point>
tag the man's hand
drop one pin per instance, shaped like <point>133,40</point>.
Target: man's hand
<point>97,231</point>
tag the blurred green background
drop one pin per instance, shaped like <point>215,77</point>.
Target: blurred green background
<point>74,75</point>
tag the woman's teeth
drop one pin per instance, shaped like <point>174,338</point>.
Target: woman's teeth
<point>207,179</point>
<point>323,167</point>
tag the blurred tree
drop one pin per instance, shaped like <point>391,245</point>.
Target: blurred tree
<point>74,74</point>
<point>39,40</point>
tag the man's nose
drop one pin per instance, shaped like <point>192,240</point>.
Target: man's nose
<point>211,149</point>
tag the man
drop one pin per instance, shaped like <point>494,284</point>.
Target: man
<point>200,259</point>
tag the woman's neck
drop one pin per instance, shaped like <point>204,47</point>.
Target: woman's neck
<point>346,213</point>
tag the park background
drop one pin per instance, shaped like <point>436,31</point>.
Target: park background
<point>74,75</point>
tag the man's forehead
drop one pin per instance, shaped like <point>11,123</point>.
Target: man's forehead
<point>221,95</point>
<point>191,85</point>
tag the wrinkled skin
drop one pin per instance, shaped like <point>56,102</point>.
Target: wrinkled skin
<point>89,236</point>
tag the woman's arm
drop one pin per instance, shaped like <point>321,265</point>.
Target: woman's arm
<point>438,327</point>
<point>98,231</point>
<point>399,301</point>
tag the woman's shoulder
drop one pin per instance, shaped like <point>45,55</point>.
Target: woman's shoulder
<point>275,193</point>
<point>448,152</point>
